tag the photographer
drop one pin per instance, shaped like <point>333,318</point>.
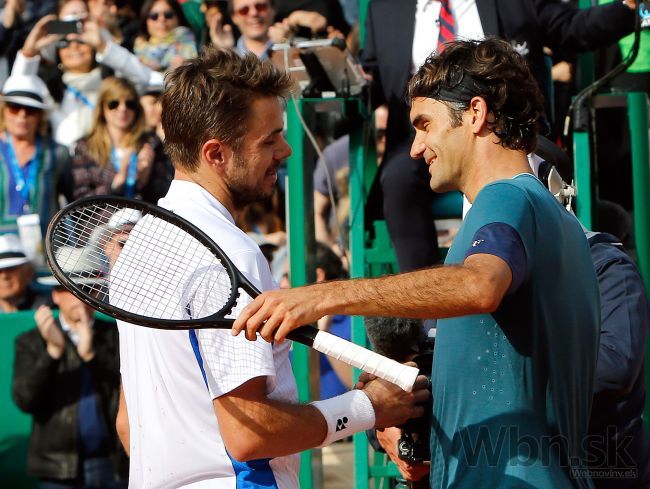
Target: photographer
<point>75,85</point>
<point>407,445</point>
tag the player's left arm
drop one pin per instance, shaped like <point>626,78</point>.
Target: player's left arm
<point>253,426</point>
<point>475,287</point>
<point>496,264</point>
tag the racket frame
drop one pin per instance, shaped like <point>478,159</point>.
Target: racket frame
<point>351,353</point>
<point>216,320</point>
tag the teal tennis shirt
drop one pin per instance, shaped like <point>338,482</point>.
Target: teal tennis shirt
<point>512,390</point>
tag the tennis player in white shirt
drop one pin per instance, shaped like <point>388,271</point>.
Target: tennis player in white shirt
<point>204,409</point>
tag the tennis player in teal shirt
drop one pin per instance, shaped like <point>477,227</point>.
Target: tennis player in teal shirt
<point>517,299</point>
<point>518,380</point>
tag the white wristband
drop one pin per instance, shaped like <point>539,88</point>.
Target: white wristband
<point>346,414</point>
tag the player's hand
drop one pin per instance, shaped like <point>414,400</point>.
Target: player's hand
<point>275,313</point>
<point>363,379</point>
<point>49,331</point>
<point>388,439</point>
<point>393,405</point>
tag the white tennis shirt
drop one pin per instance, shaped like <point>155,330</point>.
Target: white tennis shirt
<point>171,377</point>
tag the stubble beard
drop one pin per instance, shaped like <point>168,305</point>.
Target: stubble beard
<point>241,191</point>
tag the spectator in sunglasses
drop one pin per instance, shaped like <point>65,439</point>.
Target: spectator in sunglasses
<point>253,18</point>
<point>34,169</point>
<point>164,40</point>
<point>75,84</point>
<point>118,157</point>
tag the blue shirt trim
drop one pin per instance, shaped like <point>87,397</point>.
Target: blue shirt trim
<point>502,240</point>
<point>254,474</point>
<point>194,341</point>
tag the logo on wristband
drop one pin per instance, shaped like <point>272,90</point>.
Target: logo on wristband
<point>341,423</point>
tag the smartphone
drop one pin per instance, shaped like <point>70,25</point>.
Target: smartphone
<point>64,27</point>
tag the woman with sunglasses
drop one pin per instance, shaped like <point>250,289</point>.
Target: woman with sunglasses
<point>34,171</point>
<point>75,84</point>
<point>164,40</point>
<point>118,157</point>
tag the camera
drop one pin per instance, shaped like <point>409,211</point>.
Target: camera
<point>64,27</point>
<point>413,445</point>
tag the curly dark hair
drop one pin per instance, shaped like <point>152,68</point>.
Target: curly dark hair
<point>493,70</point>
<point>210,96</point>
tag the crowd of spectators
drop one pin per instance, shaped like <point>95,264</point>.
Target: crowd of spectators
<point>80,116</point>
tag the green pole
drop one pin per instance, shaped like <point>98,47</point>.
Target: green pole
<point>363,12</point>
<point>583,181</point>
<point>357,191</point>
<point>586,60</point>
<point>300,224</point>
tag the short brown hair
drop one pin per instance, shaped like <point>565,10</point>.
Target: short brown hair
<point>494,71</point>
<point>210,97</point>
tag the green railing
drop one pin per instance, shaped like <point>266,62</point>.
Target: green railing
<point>15,426</point>
<point>638,109</point>
<point>300,219</point>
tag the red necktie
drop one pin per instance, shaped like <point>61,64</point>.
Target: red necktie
<point>446,24</point>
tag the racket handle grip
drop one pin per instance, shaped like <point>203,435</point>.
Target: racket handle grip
<point>366,360</point>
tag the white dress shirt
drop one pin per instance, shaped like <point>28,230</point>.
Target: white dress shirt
<point>425,39</point>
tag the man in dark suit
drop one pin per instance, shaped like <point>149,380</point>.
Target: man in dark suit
<point>391,26</point>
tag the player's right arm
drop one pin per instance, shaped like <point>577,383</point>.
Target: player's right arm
<point>253,426</point>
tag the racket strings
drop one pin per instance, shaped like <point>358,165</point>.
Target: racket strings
<point>140,264</point>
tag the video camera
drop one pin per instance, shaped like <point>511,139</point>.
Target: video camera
<point>405,340</point>
<point>413,446</point>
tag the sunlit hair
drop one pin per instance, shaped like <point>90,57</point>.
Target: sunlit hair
<point>209,97</point>
<point>498,74</point>
<point>43,125</point>
<point>99,140</point>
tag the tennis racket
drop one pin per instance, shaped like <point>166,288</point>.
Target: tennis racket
<point>145,265</point>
